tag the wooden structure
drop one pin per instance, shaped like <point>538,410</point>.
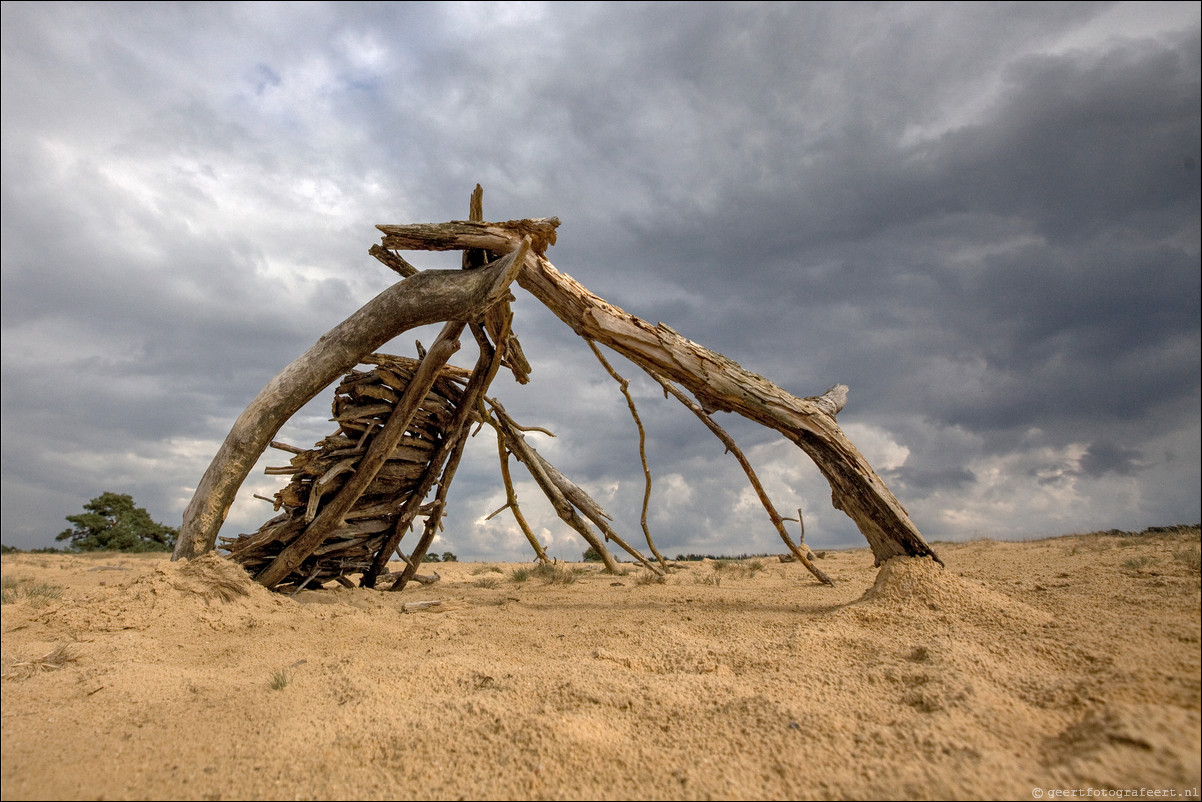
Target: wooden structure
<point>402,424</point>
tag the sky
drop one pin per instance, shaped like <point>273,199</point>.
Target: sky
<point>984,218</point>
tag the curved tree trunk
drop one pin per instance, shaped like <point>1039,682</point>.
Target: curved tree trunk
<point>432,296</point>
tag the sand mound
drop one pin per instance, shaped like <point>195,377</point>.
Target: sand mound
<point>919,582</point>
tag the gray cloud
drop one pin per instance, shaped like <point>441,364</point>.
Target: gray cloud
<point>985,219</point>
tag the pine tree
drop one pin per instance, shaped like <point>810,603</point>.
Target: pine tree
<point>111,522</point>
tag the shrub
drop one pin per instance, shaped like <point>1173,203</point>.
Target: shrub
<point>111,522</point>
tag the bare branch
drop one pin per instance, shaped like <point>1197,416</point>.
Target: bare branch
<point>734,449</point>
<point>624,384</point>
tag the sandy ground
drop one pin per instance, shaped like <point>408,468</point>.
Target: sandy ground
<point>1020,669</point>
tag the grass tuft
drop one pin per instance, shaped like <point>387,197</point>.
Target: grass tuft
<point>553,574</point>
<point>51,661</point>
<point>1190,558</point>
<point>280,679</point>
<point>13,590</point>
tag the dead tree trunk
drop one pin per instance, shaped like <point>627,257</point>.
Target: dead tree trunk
<point>432,296</point>
<point>719,383</point>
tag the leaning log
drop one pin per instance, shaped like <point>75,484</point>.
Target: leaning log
<point>432,296</point>
<point>719,383</point>
<point>722,384</point>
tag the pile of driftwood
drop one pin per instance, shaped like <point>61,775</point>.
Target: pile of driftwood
<point>362,404</point>
<point>403,424</point>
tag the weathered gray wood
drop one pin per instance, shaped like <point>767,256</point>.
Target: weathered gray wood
<point>431,296</point>
<point>460,235</point>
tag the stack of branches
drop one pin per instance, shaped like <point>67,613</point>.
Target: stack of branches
<point>369,533</point>
<point>362,405</point>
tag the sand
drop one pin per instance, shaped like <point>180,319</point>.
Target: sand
<point>1021,669</point>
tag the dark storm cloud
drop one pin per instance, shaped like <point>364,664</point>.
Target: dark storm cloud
<point>1103,458</point>
<point>991,235</point>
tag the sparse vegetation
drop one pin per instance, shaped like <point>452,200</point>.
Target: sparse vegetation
<point>280,679</point>
<point>12,590</point>
<point>738,569</point>
<point>51,661</point>
<point>519,574</point>
<point>555,574</point>
<point>1190,558</point>
<point>487,582</point>
<point>648,578</point>
<point>696,558</point>
<point>486,569</point>
<point>1138,563</point>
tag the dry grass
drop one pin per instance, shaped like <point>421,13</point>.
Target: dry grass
<point>53,660</point>
<point>553,574</point>
<point>1138,563</point>
<point>14,590</point>
<point>1190,558</point>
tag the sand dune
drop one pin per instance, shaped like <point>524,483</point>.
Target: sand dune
<point>1070,663</point>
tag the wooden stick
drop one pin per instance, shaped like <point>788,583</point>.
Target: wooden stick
<point>393,261</point>
<point>624,384</point>
<point>733,448</point>
<point>511,497</point>
<point>591,509</point>
<point>482,375</point>
<point>526,455</point>
<point>486,368</point>
<point>459,235</point>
